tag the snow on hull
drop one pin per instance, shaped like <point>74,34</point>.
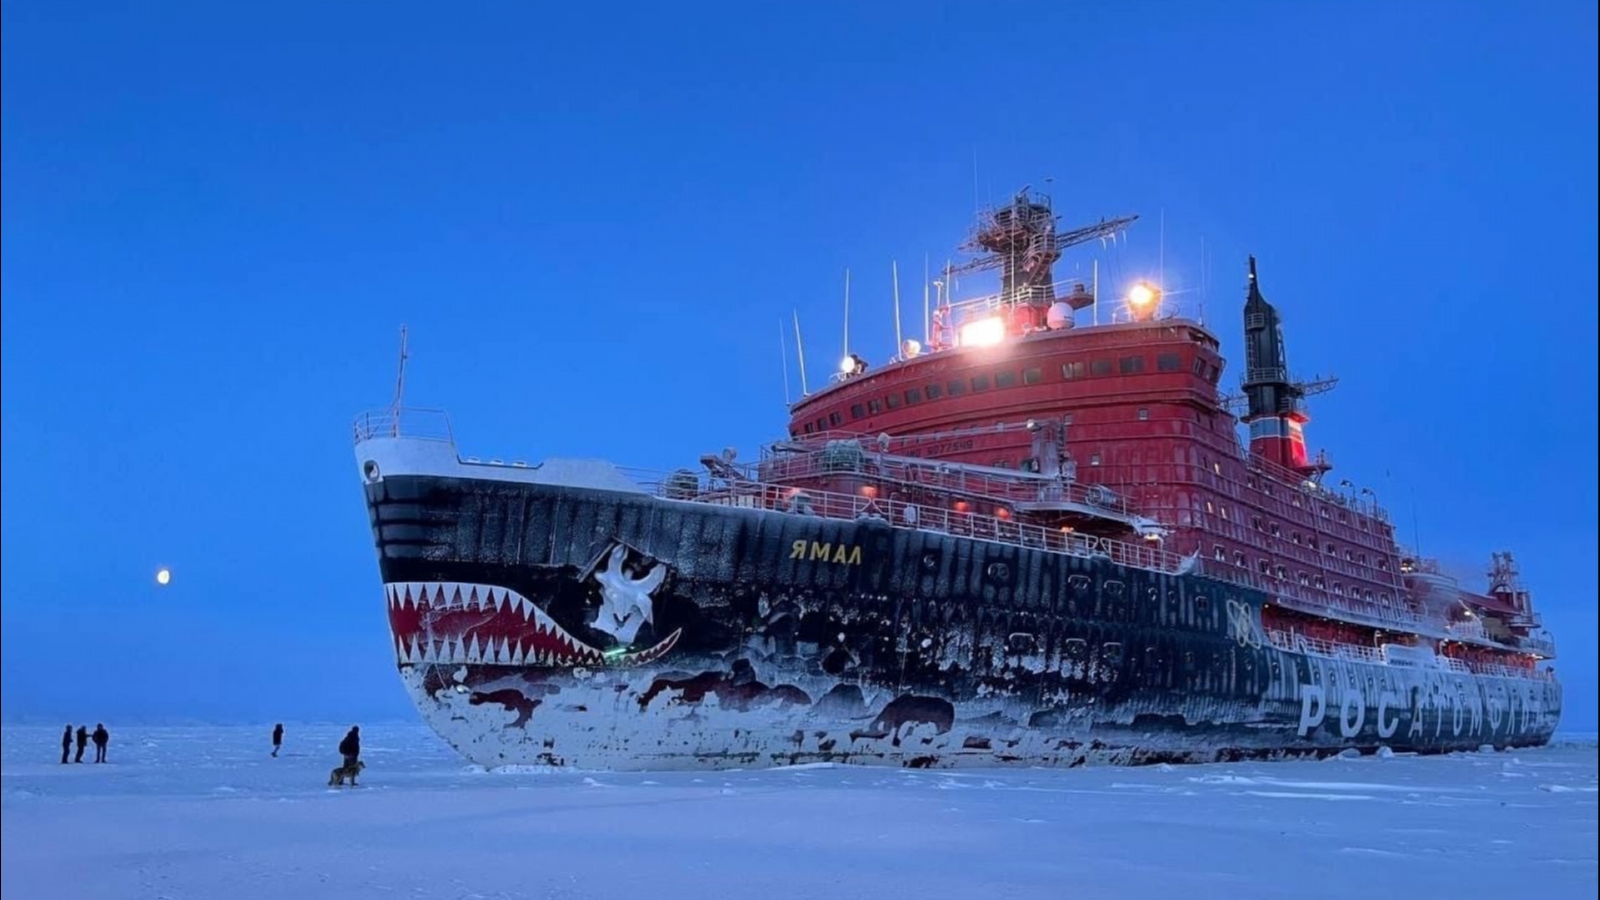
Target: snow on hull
<point>540,624</point>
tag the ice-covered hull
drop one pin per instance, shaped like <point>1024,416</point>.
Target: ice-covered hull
<point>545,619</point>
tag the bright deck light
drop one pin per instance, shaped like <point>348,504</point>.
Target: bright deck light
<point>983,333</point>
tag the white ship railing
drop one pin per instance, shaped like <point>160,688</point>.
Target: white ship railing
<point>829,505</point>
<point>407,422</point>
<point>909,473</point>
<point>1296,642</point>
<point>1543,646</point>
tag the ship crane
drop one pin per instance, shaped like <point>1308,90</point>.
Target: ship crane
<point>1022,240</point>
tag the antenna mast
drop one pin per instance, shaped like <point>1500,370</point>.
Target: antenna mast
<point>846,313</point>
<point>800,350</point>
<point>927,332</point>
<point>400,382</point>
<point>896,269</point>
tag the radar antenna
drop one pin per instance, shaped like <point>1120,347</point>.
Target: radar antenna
<point>1023,241</point>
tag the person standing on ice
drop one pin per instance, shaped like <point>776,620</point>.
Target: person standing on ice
<point>350,747</point>
<point>102,737</point>
<point>66,744</point>
<point>83,743</point>
<point>277,738</point>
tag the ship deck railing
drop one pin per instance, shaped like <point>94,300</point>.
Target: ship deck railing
<point>416,423</point>
<point>1541,646</point>
<point>831,505</point>
<point>925,474</point>
<point>1296,642</point>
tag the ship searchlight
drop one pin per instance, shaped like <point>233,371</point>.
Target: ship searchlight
<point>1143,299</point>
<point>983,332</point>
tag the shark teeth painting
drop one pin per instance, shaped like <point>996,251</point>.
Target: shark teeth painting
<point>475,623</point>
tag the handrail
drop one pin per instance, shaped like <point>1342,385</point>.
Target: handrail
<point>1296,642</point>
<point>913,473</point>
<point>895,513</point>
<point>418,423</point>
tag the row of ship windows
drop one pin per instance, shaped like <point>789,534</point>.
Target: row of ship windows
<point>1295,538</point>
<point>1306,579</point>
<point>1294,500</point>
<point>1004,378</point>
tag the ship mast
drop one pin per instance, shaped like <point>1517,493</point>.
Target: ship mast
<point>1274,412</point>
<point>1022,241</point>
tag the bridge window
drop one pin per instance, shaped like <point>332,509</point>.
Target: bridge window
<point>1224,512</point>
<point>1199,366</point>
<point>874,407</point>
<point>822,424</point>
<point>835,419</point>
<point>1032,376</point>
<point>1362,558</point>
<point>1168,362</point>
<point>1071,370</point>
<point>1272,528</point>
<point>1305,580</point>
<point>1263,567</point>
<point>1238,559</point>
<point>957,388</point>
<point>933,391</point>
<point>1319,583</point>
<point>1383,563</point>
<point>1144,413</point>
<point>1220,554</point>
<point>1005,379</point>
<point>1131,365</point>
<point>857,411</point>
<point>1094,459</point>
<point>913,395</point>
<point>980,383</point>
<point>1100,367</point>
<point>1294,537</point>
<point>892,401</point>
<point>808,428</point>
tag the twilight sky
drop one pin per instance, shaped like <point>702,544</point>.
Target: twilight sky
<point>216,215</point>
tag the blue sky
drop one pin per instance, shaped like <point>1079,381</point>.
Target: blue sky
<point>216,216</point>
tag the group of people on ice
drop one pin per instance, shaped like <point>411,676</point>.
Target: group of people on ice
<point>349,747</point>
<point>101,738</point>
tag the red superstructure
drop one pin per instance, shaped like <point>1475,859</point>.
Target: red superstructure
<point>1019,415</point>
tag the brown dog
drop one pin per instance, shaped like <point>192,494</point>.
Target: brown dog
<point>337,777</point>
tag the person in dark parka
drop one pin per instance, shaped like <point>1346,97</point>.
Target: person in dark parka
<point>350,747</point>
<point>66,744</point>
<point>102,737</point>
<point>83,743</point>
<point>277,738</point>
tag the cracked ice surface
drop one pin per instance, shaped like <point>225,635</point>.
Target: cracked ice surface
<point>185,813</point>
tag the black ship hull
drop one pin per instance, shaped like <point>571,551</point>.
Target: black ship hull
<point>551,624</point>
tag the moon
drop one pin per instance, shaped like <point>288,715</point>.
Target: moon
<point>163,576</point>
